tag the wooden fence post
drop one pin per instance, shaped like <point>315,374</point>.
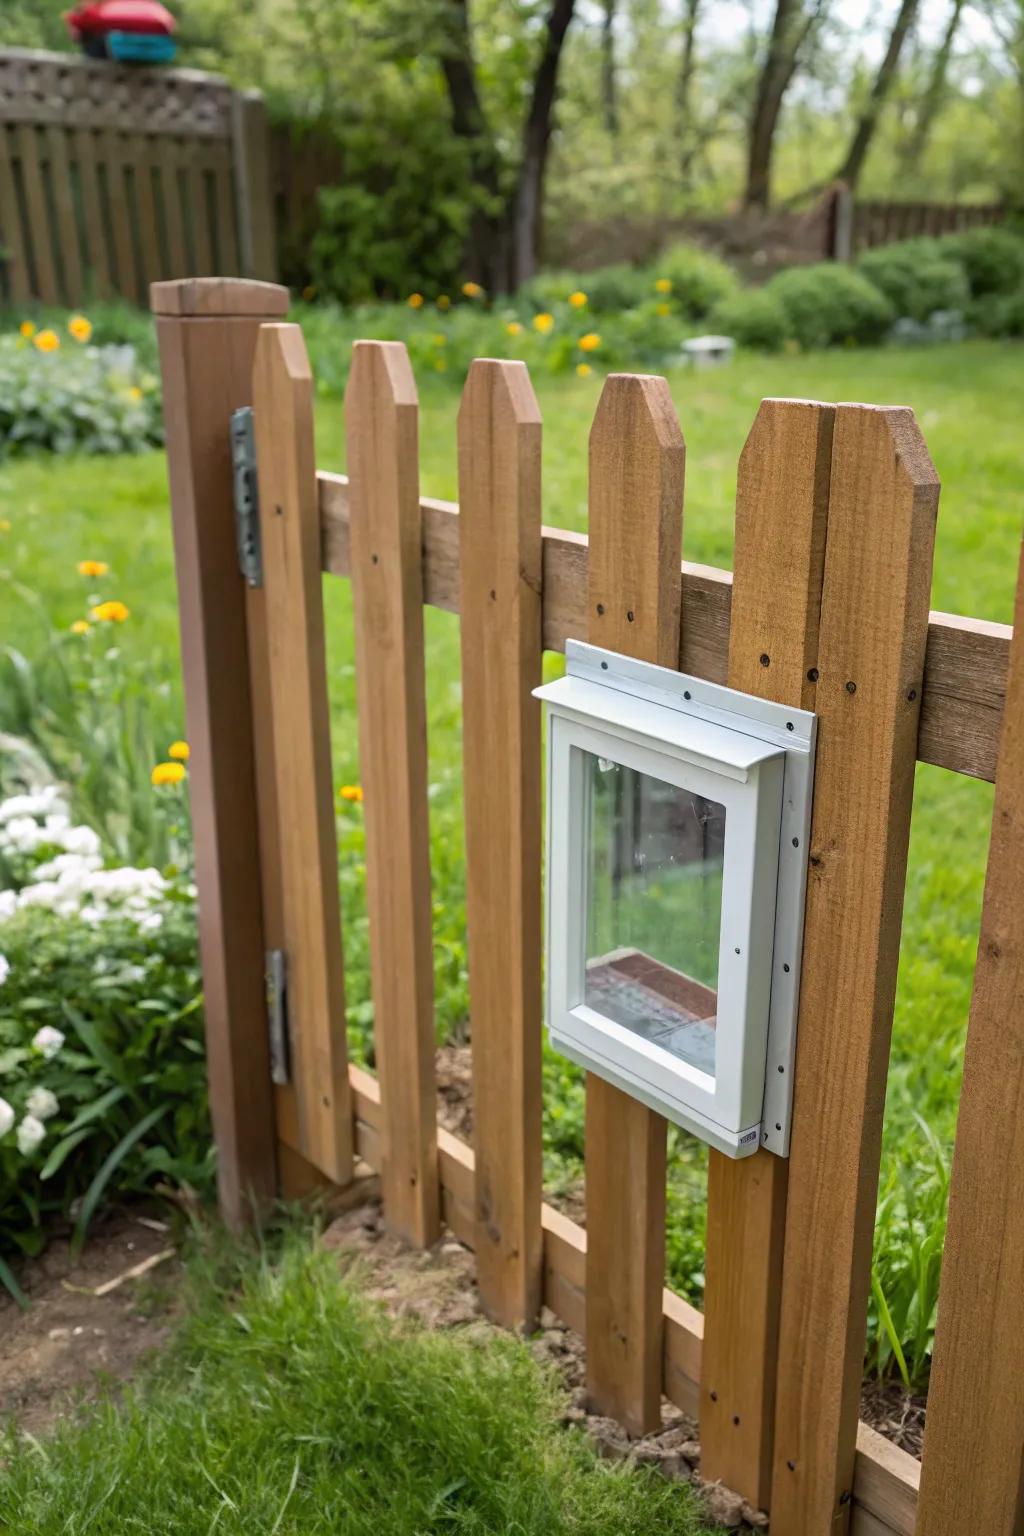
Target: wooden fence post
<point>250,135</point>
<point>972,1478</point>
<point>637,463</point>
<point>871,647</point>
<point>381,413</point>
<point>307,840</point>
<point>207,332</point>
<point>781,513</point>
<point>500,609</point>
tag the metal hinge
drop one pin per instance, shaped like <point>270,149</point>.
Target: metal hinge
<point>247,495</point>
<point>277,1016</point>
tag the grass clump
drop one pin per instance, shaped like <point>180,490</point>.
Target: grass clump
<point>290,1404</point>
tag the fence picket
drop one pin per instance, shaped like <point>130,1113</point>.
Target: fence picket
<point>872,634</point>
<point>637,461</point>
<point>500,605</point>
<point>139,155</point>
<point>381,411</point>
<point>98,280</point>
<point>307,839</point>
<point>64,207</point>
<point>11,233</point>
<point>972,1478</point>
<point>113,155</point>
<point>27,136</point>
<point>781,513</point>
<point>168,159</point>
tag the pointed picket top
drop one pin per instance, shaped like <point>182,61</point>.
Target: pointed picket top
<point>637,466</point>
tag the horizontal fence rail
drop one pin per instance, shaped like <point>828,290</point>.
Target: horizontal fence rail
<point>965,666</point>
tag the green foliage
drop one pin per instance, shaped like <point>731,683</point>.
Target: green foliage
<point>999,314</point>
<point>828,305</point>
<point>916,278</point>
<point>754,318</point>
<point>292,1404</point>
<point>699,279</point>
<point>91,399</point>
<point>993,259</point>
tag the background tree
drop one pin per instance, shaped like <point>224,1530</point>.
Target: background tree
<point>867,122</point>
<point>792,26</point>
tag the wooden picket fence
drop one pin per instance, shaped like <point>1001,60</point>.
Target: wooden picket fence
<point>112,177</point>
<point>827,608</point>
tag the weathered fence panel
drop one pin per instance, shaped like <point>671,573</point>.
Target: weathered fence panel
<point>113,177</point>
<point>835,524</point>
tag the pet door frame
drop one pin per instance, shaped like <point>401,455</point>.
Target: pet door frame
<point>758,764</point>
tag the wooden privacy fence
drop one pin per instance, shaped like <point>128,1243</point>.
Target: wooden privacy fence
<point>859,224</point>
<point>827,608</point>
<point>114,177</point>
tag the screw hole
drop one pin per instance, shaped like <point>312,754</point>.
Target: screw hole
<point>494,596</point>
<point>851,687</point>
<point>714,1397</point>
<point>604,666</point>
<point>812,674</point>
<point>912,695</point>
<point>785,967</point>
<point>778,1127</point>
<point>736,951</point>
<point>796,842</point>
<point>790,726</point>
<point>782,1069</point>
<point>629,615</point>
<point>791,1465</point>
<point>736,1419</point>
<point>687,694</point>
<point>375,559</point>
<point>766,660</point>
<point>600,607</point>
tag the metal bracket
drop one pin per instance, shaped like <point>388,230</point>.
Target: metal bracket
<point>247,497</point>
<point>277,1016</point>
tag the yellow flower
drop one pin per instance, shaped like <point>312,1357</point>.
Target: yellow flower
<point>168,773</point>
<point>112,612</point>
<point>578,299</point>
<point>352,792</point>
<point>80,328</point>
<point>27,329</point>
<point>543,323</point>
<point>439,340</point>
<point>590,342</point>
<point>440,365</point>
<point>663,309</point>
<point>309,292</point>
<point>472,290</point>
<point>47,341</point>
<point>81,627</point>
<point>443,301</point>
<point>135,393</point>
<point>5,525</point>
<point>584,370</point>
<point>415,301</point>
<point>179,750</point>
<point>93,567</point>
<point>514,328</point>
<point>663,285</point>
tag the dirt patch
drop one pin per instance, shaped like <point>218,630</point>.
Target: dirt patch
<point>69,1342</point>
<point>897,1414</point>
<point>453,1065</point>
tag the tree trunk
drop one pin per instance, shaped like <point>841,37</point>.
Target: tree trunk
<point>487,252</point>
<point>609,88</point>
<point>868,121</point>
<point>527,200</point>
<point>776,73</point>
<point>684,93</point>
<point>935,89</point>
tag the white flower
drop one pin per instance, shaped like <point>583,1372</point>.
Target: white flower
<point>82,840</point>
<point>40,804</point>
<point>30,1133</point>
<point>42,1103</point>
<point>7,1117</point>
<point>48,1041</point>
<point>67,866</point>
<point>5,969</point>
<point>8,904</point>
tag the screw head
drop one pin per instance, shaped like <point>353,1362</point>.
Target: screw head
<point>766,660</point>
<point>851,687</point>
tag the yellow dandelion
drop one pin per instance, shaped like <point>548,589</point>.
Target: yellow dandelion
<point>439,340</point>
<point>443,301</point>
<point>81,627</point>
<point>135,393</point>
<point>578,299</point>
<point>415,301</point>
<point>590,342</point>
<point>663,285</point>
<point>514,328</point>
<point>179,750</point>
<point>93,567</point>
<point>80,328</point>
<point>112,612</point>
<point>584,370</point>
<point>663,309</point>
<point>168,773</point>
<point>544,323</point>
<point>440,365</point>
<point>5,525</point>
<point>472,290</point>
<point>352,793</point>
<point>27,329</point>
<point>47,341</point>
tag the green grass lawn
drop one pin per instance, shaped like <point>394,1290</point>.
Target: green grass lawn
<point>288,1404</point>
<point>967,400</point>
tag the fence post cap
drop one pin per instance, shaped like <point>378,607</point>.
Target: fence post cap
<point>219,298</point>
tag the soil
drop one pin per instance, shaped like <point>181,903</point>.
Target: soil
<point>895,1413</point>
<point>69,1342</point>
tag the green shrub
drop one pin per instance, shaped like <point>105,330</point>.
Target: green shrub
<point>608,290</point>
<point>754,318</point>
<point>916,278</point>
<point>828,304</point>
<point>699,280</point>
<point>999,314</point>
<point>993,259</point>
<point>61,395</point>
